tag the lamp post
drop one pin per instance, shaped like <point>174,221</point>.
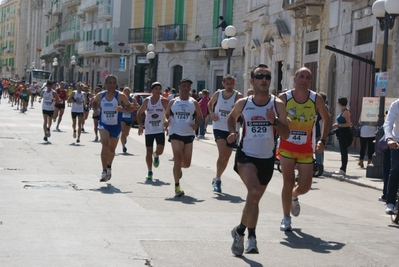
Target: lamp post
<point>42,63</point>
<point>229,44</point>
<point>150,56</point>
<point>385,11</point>
<point>55,64</point>
<point>73,63</point>
<point>33,65</point>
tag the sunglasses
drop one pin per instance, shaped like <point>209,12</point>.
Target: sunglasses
<point>261,76</point>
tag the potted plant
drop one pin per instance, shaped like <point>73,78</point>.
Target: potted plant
<point>108,49</point>
<point>121,43</point>
<point>105,43</point>
<point>39,49</point>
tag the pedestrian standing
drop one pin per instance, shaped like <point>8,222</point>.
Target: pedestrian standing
<point>264,116</point>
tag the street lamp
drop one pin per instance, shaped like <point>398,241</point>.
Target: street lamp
<point>73,63</point>
<point>150,56</point>
<point>42,63</point>
<point>33,65</point>
<point>55,64</point>
<point>229,44</point>
<point>385,11</point>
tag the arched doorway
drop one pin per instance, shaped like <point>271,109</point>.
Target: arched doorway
<point>177,75</point>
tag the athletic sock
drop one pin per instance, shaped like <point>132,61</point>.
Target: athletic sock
<point>251,232</point>
<point>241,229</point>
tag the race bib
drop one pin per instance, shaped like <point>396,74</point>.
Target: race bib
<point>298,137</point>
<point>109,116</point>
<point>258,130</point>
<point>126,114</point>
<point>156,125</point>
<point>182,117</point>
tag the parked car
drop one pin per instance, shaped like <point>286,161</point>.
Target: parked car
<point>139,96</point>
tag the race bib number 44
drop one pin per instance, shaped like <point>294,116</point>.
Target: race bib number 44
<point>298,137</point>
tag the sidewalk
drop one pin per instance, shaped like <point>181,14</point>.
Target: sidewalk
<point>332,162</point>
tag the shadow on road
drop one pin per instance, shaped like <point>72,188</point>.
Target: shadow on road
<point>299,240</point>
<point>110,189</point>
<point>250,262</point>
<point>185,200</point>
<point>227,197</point>
<point>154,182</point>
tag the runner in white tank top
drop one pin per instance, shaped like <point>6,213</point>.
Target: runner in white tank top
<point>78,100</point>
<point>219,107</point>
<point>49,98</point>
<point>154,108</point>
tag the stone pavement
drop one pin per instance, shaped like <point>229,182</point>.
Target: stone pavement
<point>332,162</point>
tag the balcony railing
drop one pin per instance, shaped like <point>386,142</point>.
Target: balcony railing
<point>104,11</point>
<point>141,35</point>
<point>71,3</point>
<point>72,35</point>
<point>57,10</point>
<point>172,32</point>
<point>296,4</point>
<point>89,5</point>
<point>113,47</point>
<point>85,47</point>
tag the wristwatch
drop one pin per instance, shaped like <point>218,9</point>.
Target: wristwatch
<point>323,141</point>
<point>276,121</point>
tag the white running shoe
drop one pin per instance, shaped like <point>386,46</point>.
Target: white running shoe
<point>103,176</point>
<point>252,248</point>
<point>238,243</point>
<point>390,209</point>
<point>286,224</point>
<point>109,174</point>
<point>295,207</point>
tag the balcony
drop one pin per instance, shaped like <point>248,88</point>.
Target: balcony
<point>172,33</point>
<point>89,5</point>
<point>104,11</point>
<point>140,37</point>
<point>86,48</point>
<point>113,48</point>
<point>59,46</point>
<point>71,3</point>
<point>71,36</point>
<point>57,9</point>
<point>304,8</point>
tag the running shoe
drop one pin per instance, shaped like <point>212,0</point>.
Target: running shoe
<point>103,176</point>
<point>109,174</point>
<point>83,130</point>
<point>238,243</point>
<point>45,138</point>
<point>96,139</point>
<point>252,248</point>
<point>286,224</point>
<point>78,140</point>
<point>57,129</point>
<point>390,209</point>
<point>382,198</point>
<point>149,175</point>
<point>179,191</point>
<point>48,132</point>
<point>340,172</point>
<point>295,207</point>
<point>74,134</point>
<point>155,160</point>
<point>124,149</point>
<point>217,186</point>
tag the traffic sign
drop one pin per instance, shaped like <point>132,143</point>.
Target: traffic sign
<point>105,73</point>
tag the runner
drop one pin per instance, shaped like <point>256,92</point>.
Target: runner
<point>183,117</point>
<point>34,88</point>
<point>11,91</point>
<point>302,105</point>
<point>108,105</point>
<point>59,107</point>
<point>5,84</point>
<point>264,115</point>
<point>25,98</point>
<point>78,100</point>
<point>86,108</point>
<point>154,108</point>
<point>49,97</point>
<point>127,118</point>
<point>17,94</point>
<point>219,107</point>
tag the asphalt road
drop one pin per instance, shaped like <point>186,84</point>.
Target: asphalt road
<point>55,212</point>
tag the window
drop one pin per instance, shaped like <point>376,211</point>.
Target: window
<point>312,47</point>
<point>364,36</point>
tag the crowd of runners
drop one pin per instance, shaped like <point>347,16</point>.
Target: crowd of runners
<point>248,124</point>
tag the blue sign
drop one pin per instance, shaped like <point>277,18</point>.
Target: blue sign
<point>381,84</point>
<point>122,63</point>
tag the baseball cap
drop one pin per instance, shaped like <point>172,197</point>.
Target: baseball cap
<point>155,84</point>
<point>186,80</point>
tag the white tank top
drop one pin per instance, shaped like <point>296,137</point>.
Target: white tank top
<point>222,109</point>
<point>48,103</point>
<point>109,113</point>
<point>181,117</point>
<point>257,134</point>
<point>154,117</point>
<point>78,105</point>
